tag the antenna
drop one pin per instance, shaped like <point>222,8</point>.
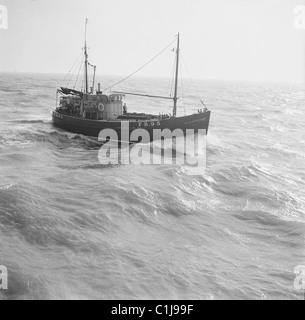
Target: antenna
<point>177,75</point>
<point>86,59</point>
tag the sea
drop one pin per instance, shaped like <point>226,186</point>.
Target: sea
<point>71,228</point>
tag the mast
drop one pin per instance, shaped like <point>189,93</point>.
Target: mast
<point>86,59</point>
<point>177,75</point>
<point>142,95</point>
<point>94,67</point>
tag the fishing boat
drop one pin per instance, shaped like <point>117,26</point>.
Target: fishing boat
<point>88,112</point>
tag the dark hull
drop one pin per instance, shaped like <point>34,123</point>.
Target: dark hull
<point>94,127</point>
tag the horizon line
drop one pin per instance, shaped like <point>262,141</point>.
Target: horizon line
<point>165,77</point>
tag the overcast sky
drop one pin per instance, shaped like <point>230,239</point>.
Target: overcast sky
<point>220,39</point>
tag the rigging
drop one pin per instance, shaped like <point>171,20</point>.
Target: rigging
<point>146,64</point>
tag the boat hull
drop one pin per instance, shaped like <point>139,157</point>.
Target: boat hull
<point>93,128</point>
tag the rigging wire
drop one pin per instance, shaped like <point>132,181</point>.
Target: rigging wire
<point>170,84</point>
<point>74,73</point>
<point>72,68</point>
<point>147,63</point>
<point>182,89</point>
<point>172,79</point>
<point>78,73</point>
<point>192,82</point>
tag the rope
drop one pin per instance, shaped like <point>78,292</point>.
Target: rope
<point>197,92</point>
<point>183,91</point>
<point>170,84</point>
<point>72,68</point>
<point>78,73</point>
<point>155,57</point>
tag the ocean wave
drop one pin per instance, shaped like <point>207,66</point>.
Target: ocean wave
<point>25,286</point>
<point>182,231</point>
<point>274,127</point>
<point>33,121</point>
<point>279,148</point>
<point>238,173</point>
<point>61,139</point>
<point>10,90</point>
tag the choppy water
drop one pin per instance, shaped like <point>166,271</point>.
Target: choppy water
<point>71,228</point>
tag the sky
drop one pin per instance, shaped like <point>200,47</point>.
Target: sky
<point>252,40</point>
